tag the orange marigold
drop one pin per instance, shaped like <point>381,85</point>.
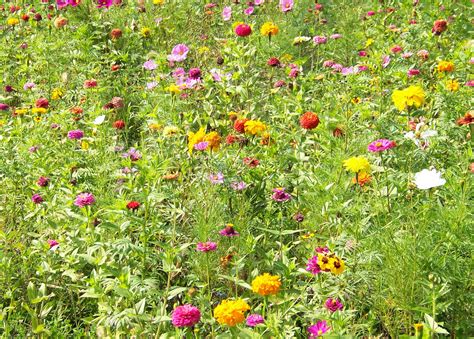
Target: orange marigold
<point>231,312</point>
<point>309,120</point>
<point>266,284</point>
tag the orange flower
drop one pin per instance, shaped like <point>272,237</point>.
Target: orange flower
<point>266,284</point>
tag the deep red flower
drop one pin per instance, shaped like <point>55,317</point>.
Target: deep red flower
<point>251,162</point>
<point>439,27</point>
<point>42,103</point>
<point>274,62</point>
<point>239,125</point>
<point>133,205</point>
<point>119,124</point>
<point>309,120</point>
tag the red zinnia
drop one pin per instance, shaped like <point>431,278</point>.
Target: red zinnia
<point>251,162</point>
<point>239,125</point>
<point>309,120</point>
<point>273,62</point>
<point>243,30</point>
<point>119,124</point>
<point>439,27</point>
<point>42,103</point>
<point>133,205</point>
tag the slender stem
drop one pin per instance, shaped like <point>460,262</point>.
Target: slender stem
<point>387,182</point>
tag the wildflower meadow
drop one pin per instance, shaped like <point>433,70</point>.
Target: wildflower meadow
<point>236,169</point>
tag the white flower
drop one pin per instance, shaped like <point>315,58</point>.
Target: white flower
<point>419,137</point>
<point>427,179</point>
<point>99,120</point>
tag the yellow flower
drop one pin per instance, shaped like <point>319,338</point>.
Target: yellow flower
<point>12,21</point>
<point>214,140</point>
<point>57,94</point>
<point>286,57</point>
<point>154,126</point>
<point>38,110</point>
<point>445,66</point>
<point>452,85</point>
<point>20,111</point>
<point>169,131</point>
<point>2,123</point>
<point>195,138</point>
<point>254,127</point>
<point>84,145</point>
<point>266,284</point>
<point>362,179</point>
<point>37,119</point>
<point>146,32</point>
<point>269,28</point>
<point>231,312</point>
<point>337,266</point>
<point>408,97</point>
<point>173,89</point>
<point>203,50</point>
<point>357,164</point>
<point>355,100</point>
<point>369,42</point>
<point>158,2</point>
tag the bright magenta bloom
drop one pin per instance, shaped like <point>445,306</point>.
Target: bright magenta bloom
<point>185,316</point>
<point>104,3</point>
<point>280,195</point>
<point>178,53</point>
<point>318,329</point>
<point>206,246</point>
<point>243,30</point>
<point>381,145</point>
<point>84,199</point>
<point>333,304</point>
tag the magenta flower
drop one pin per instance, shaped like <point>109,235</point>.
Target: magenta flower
<point>226,13</point>
<point>381,145</point>
<point>133,154</point>
<point>185,316</point>
<point>150,65</point>
<point>370,13</point>
<point>217,178</point>
<point>336,36</point>
<point>75,134</point>
<point>53,244</point>
<point>42,181</point>
<point>319,40</point>
<point>280,195</point>
<point>4,107</point>
<point>84,199</point>
<point>178,53</point>
<point>195,73</point>
<point>312,266</point>
<point>238,186</point>
<point>201,146</point>
<point>385,61</point>
<point>104,3</point>
<point>286,5</point>
<point>324,249</point>
<point>318,329</point>
<point>229,231</point>
<point>333,305</point>
<point>207,246</point>
<point>254,319</point>
<point>249,10</point>
<point>37,199</point>
<point>412,72</point>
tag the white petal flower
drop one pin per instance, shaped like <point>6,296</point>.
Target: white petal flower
<point>427,179</point>
<point>99,120</point>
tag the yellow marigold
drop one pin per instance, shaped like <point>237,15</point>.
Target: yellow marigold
<point>12,21</point>
<point>154,126</point>
<point>214,140</point>
<point>158,2</point>
<point>231,312</point>
<point>445,66</point>
<point>84,145</point>
<point>38,110</point>
<point>146,32</point>
<point>266,284</point>
<point>452,85</point>
<point>20,111</point>
<point>254,127</point>
<point>57,94</point>
<point>169,131</point>
<point>408,97</point>
<point>369,42</point>
<point>357,164</point>
<point>203,50</point>
<point>269,28</point>
<point>195,138</point>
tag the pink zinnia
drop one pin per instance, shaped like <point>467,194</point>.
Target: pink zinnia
<point>201,146</point>
<point>412,72</point>
<point>249,10</point>
<point>333,304</point>
<point>185,316</point>
<point>178,53</point>
<point>286,5</point>
<point>313,266</point>
<point>280,195</point>
<point>104,3</point>
<point>318,329</point>
<point>381,145</point>
<point>75,134</point>
<point>254,319</point>
<point>229,231</point>
<point>243,30</point>
<point>37,199</point>
<point>319,40</point>
<point>385,61</point>
<point>207,246</point>
<point>84,199</point>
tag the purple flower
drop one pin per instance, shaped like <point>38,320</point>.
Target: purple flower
<point>179,72</point>
<point>133,154</point>
<point>333,305</point>
<point>337,67</point>
<point>226,13</point>
<point>195,73</point>
<point>349,70</point>
<point>336,36</point>
<point>324,249</point>
<point>313,266</point>
<point>238,186</point>
<point>29,85</point>
<point>217,178</point>
<point>201,146</point>
<point>149,65</point>
<point>280,195</point>
<point>84,199</point>
<point>37,199</point>
<point>318,329</point>
<point>185,316</point>
<point>385,61</point>
<point>319,40</point>
<point>75,134</point>
<point>151,85</point>
<point>33,149</point>
<point>254,319</point>
<point>207,246</point>
<point>4,107</point>
<point>298,217</point>
<point>179,53</point>
<point>381,145</point>
<point>229,231</point>
<point>43,181</point>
